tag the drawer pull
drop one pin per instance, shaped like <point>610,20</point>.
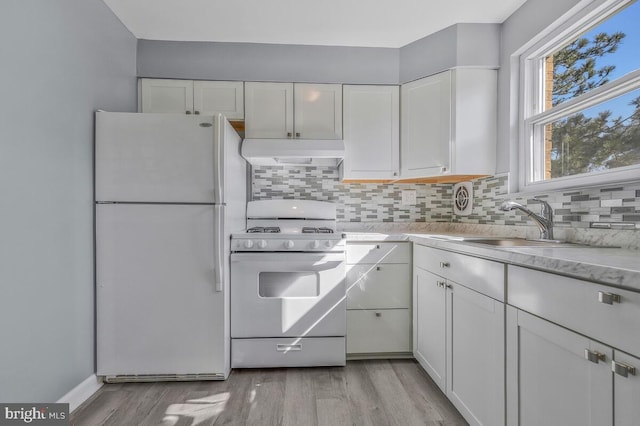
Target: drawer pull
<point>622,369</point>
<point>288,348</point>
<point>449,286</point>
<point>377,268</point>
<point>594,356</point>
<point>608,298</point>
<point>440,284</point>
<point>378,314</point>
<point>377,246</point>
<point>444,264</point>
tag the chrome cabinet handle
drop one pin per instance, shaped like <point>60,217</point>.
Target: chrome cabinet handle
<point>377,246</point>
<point>297,134</point>
<point>288,348</point>
<point>440,284</point>
<point>188,112</point>
<point>378,314</point>
<point>608,298</point>
<point>449,286</point>
<point>197,112</point>
<point>377,268</point>
<point>594,356</point>
<point>622,369</point>
<point>288,134</point>
<point>444,264</point>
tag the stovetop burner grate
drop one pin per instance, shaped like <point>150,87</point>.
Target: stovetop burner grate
<point>312,230</point>
<point>264,230</point>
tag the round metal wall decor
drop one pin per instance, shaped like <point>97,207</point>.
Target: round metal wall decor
<point>463,198</point>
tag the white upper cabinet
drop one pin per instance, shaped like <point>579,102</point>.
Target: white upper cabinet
<point>193,97</point>
<point>288,110</point>
<point>449,124</point>
<point>318,111</point>
<point>224,97</point>
<point>269,108</point>
<point>170,96</point>
<point>426,126</point>
<point>371,132</point>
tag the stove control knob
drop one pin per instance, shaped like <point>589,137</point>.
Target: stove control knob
<point>262,244</point>
<point>328,244</point>
<point>288,244</point>
<point>248,244</point>
<point>315,244</point>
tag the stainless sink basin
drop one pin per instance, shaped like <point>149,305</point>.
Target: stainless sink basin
<point>521,242</point>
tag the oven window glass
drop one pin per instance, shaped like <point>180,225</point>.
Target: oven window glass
<point>288,284</point>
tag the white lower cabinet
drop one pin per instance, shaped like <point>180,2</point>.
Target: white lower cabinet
<point>378,299</point>
<point>459,336</point>
<point>564,365</point>
<point>378,331</point>
<point>550,381</point>
<point>626,388</point>
<point>429,324</point>
<point>475,371</point>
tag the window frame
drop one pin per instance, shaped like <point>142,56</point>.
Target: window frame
<point>531,98</point>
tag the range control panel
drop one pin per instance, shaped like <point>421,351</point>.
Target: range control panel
<point>293,243</point>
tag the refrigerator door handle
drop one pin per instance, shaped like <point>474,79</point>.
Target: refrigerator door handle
<point>218,149</point>
<point>218,248</point>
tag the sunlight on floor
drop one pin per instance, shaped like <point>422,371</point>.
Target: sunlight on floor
<point>199,410</point>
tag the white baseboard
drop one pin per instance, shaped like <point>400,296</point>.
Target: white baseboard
<point>76,396</point>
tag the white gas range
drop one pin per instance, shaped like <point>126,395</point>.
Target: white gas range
<point>289,226</point>
<point>288,292</point>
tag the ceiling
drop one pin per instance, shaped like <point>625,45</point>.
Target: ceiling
<point>363,23</point>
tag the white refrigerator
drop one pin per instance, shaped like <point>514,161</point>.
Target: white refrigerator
<point>170,190</point>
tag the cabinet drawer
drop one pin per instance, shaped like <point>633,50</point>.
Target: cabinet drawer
<point>484,276</point>
<point>576,304</point>
<point>384,330</point>
<point>288,352</point>
<point>379,286</point>
<point>368,252</point>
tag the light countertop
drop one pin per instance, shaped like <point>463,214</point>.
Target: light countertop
<point>611,266</point>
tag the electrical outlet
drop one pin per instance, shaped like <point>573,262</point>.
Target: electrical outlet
<point>409,197</point>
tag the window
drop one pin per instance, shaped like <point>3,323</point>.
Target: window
<point>581,101</point>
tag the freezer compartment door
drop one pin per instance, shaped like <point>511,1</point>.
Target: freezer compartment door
<point>154,158</point>
<point>158,311</point>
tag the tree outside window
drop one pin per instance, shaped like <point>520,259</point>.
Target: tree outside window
<point>588,117</point>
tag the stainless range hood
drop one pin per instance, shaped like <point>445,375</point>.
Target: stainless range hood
<point>288,152</point>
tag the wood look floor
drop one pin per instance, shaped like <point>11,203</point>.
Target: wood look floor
<point>375,392</point>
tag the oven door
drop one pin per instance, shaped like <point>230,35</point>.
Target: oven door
<point>288,294</point>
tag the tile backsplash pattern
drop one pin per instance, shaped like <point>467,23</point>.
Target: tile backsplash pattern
<point>572,208</point>
<point>383,203</point>
<point>356,202</point>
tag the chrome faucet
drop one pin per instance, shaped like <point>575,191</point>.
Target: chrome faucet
<point>544,220</point>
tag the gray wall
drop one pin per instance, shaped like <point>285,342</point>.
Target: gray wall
<point>522,26</point>
<point>457,45</point>
<point>267,62</point>
<point>61,60</point>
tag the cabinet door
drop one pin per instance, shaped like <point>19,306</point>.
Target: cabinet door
<point>378,331</point>
<point>268,110</point>
<point>371,132</point>
<point>550,381</point>
<point>475,359</point>
<point>426,126</point>
<point>318,111</point>
<point>429,331</point>
<point>170,96</point>
<point>225,97</point>
<point>627,390</point>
